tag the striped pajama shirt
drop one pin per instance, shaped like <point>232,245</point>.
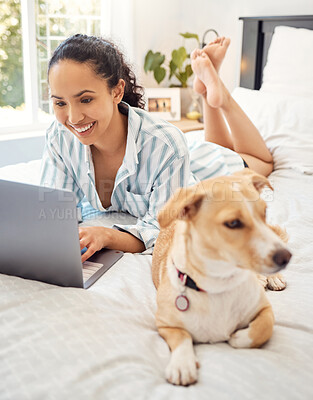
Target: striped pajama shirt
<point>157,161</point>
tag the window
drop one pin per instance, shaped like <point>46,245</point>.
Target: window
<point>30,30</point>
<point>11,61</point>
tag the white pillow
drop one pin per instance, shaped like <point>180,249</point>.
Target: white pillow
<point>286,124</point>
<point>289,67</point>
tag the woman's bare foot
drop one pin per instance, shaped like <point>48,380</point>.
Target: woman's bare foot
<point>216,51</point>
<point>203,67</point>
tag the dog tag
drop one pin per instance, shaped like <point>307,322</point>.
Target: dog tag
<point>182,303</point>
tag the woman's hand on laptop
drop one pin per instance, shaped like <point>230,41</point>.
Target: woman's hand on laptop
<point>94,238</point>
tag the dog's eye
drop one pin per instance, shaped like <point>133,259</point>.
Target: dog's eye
<point>234,224</point>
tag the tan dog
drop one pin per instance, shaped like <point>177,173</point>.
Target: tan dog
<point>213,241</point>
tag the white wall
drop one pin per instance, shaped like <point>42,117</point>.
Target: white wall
<point>157,24</point>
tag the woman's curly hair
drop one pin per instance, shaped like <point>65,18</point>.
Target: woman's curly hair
<point>106,60</point>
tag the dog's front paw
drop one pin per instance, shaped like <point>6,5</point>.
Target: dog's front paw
<point>182,369</point>
<point>240,339</point>
<point>276,282</point>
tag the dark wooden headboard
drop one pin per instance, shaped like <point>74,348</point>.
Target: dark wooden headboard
<point>257,36</point>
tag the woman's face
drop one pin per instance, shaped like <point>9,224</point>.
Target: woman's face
<point>82,101</point>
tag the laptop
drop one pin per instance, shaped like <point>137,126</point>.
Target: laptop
<point>39,237</point>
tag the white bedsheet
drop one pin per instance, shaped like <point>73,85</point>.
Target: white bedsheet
<point>102,343</point>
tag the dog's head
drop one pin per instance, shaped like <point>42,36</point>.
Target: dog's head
<point>226,218</point>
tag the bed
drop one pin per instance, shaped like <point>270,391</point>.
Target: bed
<point>102,343</point>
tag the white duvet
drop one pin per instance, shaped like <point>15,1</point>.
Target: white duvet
<point>102,343</point>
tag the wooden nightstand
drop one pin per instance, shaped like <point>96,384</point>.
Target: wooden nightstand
<point>186,125</point>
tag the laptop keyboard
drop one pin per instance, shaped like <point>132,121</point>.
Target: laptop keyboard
<point>89,268</point>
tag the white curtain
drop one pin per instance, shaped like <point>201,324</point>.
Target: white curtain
<point>118,23</point>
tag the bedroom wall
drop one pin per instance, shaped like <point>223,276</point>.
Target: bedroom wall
<point>157,24</point>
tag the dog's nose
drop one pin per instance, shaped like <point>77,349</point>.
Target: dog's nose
<point>282,257</point>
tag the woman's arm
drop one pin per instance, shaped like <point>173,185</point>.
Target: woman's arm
<point>96,238</point>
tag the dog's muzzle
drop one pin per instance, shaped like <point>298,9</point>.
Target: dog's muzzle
<point>281,258</point>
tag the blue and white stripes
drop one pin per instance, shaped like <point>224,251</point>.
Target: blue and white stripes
<point>157,161</point>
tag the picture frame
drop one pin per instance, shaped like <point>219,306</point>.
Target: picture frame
<point>164,103</point>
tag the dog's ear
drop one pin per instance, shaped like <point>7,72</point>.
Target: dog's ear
<point>258,181</point>
<point>184,204</point>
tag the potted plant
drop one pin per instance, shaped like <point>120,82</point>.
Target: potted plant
<point>179,66</point>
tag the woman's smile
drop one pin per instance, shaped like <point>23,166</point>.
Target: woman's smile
<point>83,130</point>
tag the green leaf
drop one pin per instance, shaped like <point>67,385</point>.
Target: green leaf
<point>159,74</point>
<point>148,61</point>
<point>188,35</point>
<point>173,68</point>
<point>188,70</point>
<point>179,56</point>
<point>153,61</point>
<point>183,76</point>
<point>158,60</point>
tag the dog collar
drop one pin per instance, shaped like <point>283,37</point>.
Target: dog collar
<point>182,302</point>
<point>187,281</point>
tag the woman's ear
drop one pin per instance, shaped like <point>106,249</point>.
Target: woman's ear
<point>118,91</point>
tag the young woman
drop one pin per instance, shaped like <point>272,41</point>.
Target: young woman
<point>111,153</point>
